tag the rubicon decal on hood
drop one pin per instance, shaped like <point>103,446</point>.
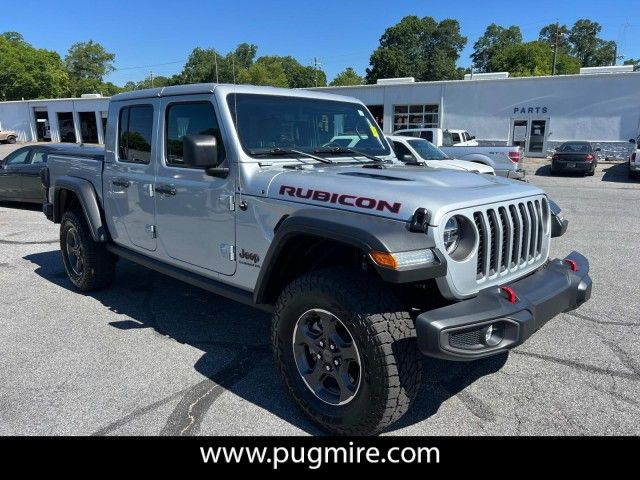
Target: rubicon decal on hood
<point>340,199</point>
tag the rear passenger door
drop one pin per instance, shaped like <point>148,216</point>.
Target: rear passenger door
<point>130,173</point>
<point>31,183</point>
<point>196,221</point>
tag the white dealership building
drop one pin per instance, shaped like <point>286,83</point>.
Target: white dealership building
<point>601,105</point>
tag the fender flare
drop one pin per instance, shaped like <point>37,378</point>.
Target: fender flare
<point>83,189</point>
<point>365,232</point>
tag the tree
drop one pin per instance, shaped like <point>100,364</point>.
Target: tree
<point>202,62</point>
<point>635,62</point>
<point>419,47</point>
<point>298,75</point>
<point>87,64</point>
<point>347,77</point>
<point>262,73</point>
<point>532,59</point>
<point>27,72</point>
<point>494,39</point>
<point>588,48</point>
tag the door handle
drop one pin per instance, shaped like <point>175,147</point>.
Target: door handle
<point>121,182</point>
<point>165,189</point>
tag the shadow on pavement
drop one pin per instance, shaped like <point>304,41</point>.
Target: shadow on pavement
<point>34,207</point>
<point>618,172</point>
<point>234,340</point>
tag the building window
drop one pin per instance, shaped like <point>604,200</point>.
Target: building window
<point>415,116</point>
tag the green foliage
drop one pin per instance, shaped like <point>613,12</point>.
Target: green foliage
<point>27,72</point>
<point>532,59</point>
<point>346,78</point>
<point>494,39</point>
<point>635,62</point>
<point>264,74</point>
<point>587,47</point>
<point>89,60</point>
<point>418,47</point>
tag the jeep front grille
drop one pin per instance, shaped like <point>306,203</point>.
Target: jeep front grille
<point>510,236</point>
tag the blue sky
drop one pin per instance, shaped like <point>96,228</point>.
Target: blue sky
<point>158,35</point>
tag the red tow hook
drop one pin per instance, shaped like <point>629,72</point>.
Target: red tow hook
<point>572,264</point>
<point>511,295</point>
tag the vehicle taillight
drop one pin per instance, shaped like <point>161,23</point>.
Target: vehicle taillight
<point>589,158</point>
<point>514,156</point>
<point>633,157</point>
<point>555,157</point>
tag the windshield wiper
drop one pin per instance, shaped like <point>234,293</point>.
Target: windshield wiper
<point>354,153</point>
<point>287,151</point>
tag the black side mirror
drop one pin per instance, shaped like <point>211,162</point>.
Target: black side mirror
<point>472,137</point>
<point>408,158</point>
<point>598,149</point>
<point>632,140</point>
<point>201,151</point>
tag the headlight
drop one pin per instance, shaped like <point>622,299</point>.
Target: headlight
<point>451,235</point>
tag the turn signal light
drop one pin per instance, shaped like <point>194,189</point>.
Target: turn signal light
<point>572,264</point>
<point>398,260</point>
<point>514,156</point>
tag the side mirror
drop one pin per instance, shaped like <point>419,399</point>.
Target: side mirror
<point>598,149</point>
<point>407,158</point>
<point>632,140</point>
<point>201,151</point>
<point>472,137</point>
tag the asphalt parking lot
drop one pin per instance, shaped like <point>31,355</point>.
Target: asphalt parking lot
<point>153,356</point>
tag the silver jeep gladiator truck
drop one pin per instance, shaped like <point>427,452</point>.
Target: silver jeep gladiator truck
<point>366,263</point>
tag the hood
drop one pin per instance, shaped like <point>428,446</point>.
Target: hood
<point>460,165</point>
<point>392,192</point>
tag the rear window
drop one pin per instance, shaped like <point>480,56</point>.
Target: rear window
<point>575,147</point>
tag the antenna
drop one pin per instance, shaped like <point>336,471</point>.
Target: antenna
<point>215,60</point>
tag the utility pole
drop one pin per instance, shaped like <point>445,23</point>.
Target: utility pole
<point>215,60</point>
<point>151,75</point>
<point>555,48</point>
<point>316,65</point>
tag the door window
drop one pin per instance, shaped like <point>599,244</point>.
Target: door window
<point>536,137</point>
<point>190,119</point>
<point>455,137</point>
<point>401,150</point>
<point>18,158</point>
<point>38,157</point>
<point>135,134</point>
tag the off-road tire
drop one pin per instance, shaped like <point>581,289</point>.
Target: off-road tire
<point>384,334</point>
<point>98,263</point>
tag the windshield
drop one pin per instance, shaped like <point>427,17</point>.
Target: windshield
<point>267,122</point>
<point>427,150</point>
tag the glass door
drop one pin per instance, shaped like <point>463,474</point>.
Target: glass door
<point>537,138</point>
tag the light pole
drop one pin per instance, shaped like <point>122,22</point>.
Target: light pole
<point>555,47</point>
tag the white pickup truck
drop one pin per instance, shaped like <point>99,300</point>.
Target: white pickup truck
<point>506,161</point>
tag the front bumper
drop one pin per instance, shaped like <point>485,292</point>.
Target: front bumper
<point>457,331</point>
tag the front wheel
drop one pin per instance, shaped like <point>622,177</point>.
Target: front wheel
<point>11,140</point>
<point>347,351</point>
<point>88,264</point>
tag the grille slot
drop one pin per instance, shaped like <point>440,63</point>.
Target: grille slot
<point>510,237</point>
<point>466,340</point>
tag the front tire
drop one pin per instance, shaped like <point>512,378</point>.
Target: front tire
<point>88,264</point>
<point>347,351</point>
<point>11,140</point>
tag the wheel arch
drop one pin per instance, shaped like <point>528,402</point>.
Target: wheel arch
<point>71,192</point>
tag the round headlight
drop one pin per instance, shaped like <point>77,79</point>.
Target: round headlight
<point>451,235</point>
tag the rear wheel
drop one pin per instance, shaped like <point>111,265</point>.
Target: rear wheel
<point>346,350</point>
<point>88,264</point>
<point>11,140</point>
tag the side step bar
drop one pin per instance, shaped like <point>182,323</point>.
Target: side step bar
<point>191,278</point>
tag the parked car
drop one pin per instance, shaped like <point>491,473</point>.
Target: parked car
<point>8,136</point>
<point>20,172</point>
<point>634,158</point>
<point>580,157</point>
<point>418,150</point>
<point>366,264</point>
<point>505,161</point>
<point>462,138</point>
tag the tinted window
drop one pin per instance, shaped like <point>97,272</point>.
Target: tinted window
<point>18,158</point>
<point>455,137</point>
<point>135,133</point>
<point>401,150</point>
<point>190,119</point>
<point>575,147</point>
<point>447,139</point>
<point>38,157</point>
<point>427,135</point>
